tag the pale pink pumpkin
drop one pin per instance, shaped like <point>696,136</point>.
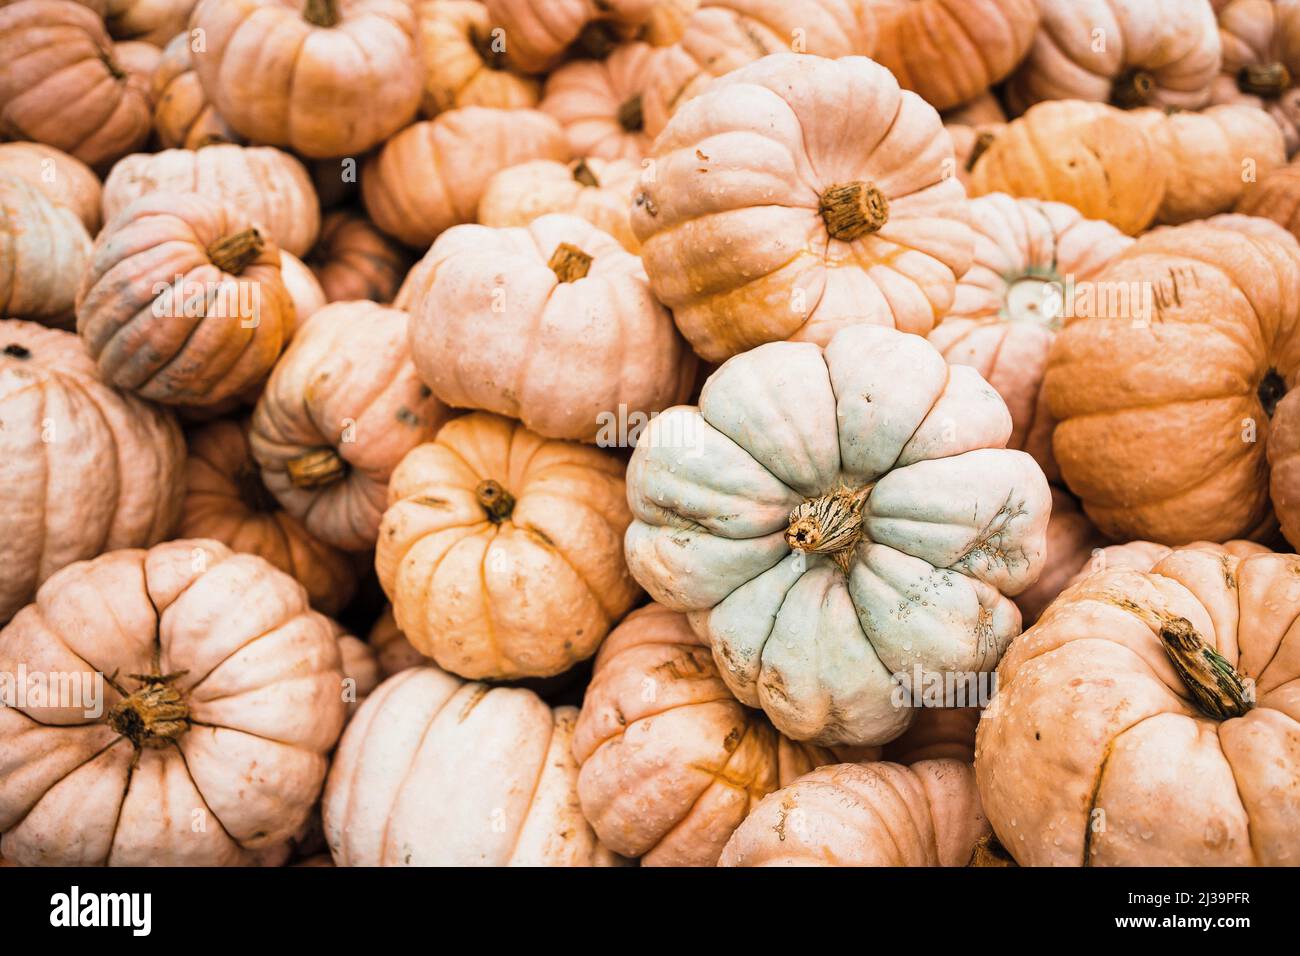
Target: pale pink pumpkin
<point>44,249</point>
<point>539,31</point>
<point>598,102</point>
<point>64,179</point>
<point>1261,60</point>
<point>183,113</point>
<point>463,59</point>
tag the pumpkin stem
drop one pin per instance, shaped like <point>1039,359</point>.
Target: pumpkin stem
<point>569,263</point>
<point>14,350</point>
<point>630,115</point>
<point>152,715</point>
<point>1271,389</point>
<point>990,852</point>
<point>830,525</point>
<point>597,40</point>
<point>252,492</point>
<point>1269,80</point>
<point>321,13</point>
<point>232,253</point>
<point>495,500</point>
<point>1219,690</point>
<point>852,210</point>
<point>982,143</point>
<point>582,173</point>
<point>318,468</point>
<point>1133,89</point>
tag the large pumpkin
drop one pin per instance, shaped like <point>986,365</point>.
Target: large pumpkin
<point>44,249</point>
<point>1261,60</point>
<point>62,85</point>
<point>183,114</point>
<point>65,180</point>
<point>501,550</point>
<point>325,78</point>
<point>553,324</point>
<point>225,500</point>
<point>354,260</point>
<point>464,60</point>
<point>833,518</point>
<point>1010,303</point>
<point>433,771</point>
<point>598,102</point>
<point>429,177</point>
<point>538,32</point>
<point>1147,719</point>
<point>1164,381</point>
<point>1161,53</point>
<point>223,699</point>
<point>340,410</point>
<point>754,229</point>
<point>270,187</point>
<point>86,468</point>
<point>182,301</point>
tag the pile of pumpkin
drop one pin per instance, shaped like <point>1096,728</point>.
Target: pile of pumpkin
<point>690,375</point>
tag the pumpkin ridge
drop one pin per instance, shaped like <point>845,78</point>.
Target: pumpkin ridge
<point>532,794</point>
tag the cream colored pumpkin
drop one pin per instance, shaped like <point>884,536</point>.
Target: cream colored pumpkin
<point>754,229</point>
<point>598,102</point>
<point>44,249</point>
<point>464,62</point>
<point>1261,60</point>
<point>183,115</point>
<point>433,771</point>
<point>64,179</point>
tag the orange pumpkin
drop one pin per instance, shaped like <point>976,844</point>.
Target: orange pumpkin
<point>1276,197</point>
<point>44,249</point>
<point>354,260</point>
<point>300,282</point>
<point>598,102</point>
<point>1284,466</point>
<point>150,21</point>
<point>65,180</point>
<point>1261,60</point>
<point>667,21</point>
<point>464,61</point>
<point>183,115</point>
<point>393,651</point>
<point>538,32</point>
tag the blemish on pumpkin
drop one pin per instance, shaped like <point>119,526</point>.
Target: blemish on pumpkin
<point>429,501</point>
<point>787,804</point>
<point>732,740</point>
<point>479,693</point>
<point>408,417</point>
<point>14,350</point>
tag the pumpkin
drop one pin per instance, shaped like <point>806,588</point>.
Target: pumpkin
<point>1164,381</point>
<point>430,176</point>
<point>62,85</point>
<point>464,62</point>
<point>1162,53</point>
<point>1145,720</point>
<point>501,551</point>
<point>1100,160</point>
<point>225,500</point>
<point>87,468</point>
<point>1251,226</point>
<point>667,21</point>
<point>968,145</point>
<point>596,190</point>
<point>1072,542</point>
<point>1277,197</point>
<point>538,32</point>
<point>139,60</point>
<point>1261,60</point>
<point>832,518</point>
<point>303,288</point>
<point>1007,307</point>
<point>182,301</point>
<point>325,78</point>
<point>183,115</point>
<point>354,260</point>
<point>360,669</point>
<point>982,110</point>
<point>222,702</point>
<point>952,51</point>
<point>340,410</point>
<point>553,324</point>
<point>866,814</point>
<point>433,771</point>
<point>724,35</point>
<point>65,180</point>
<point>1284,466</point>
<point>270,187</point>
<point>44,248</point>
<point>753,230</point>
<point>1143,556</point>
<point>151,21</point>
<point>598,102</point>
<point>393,652</point>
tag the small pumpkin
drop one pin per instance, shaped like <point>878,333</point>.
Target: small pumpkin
<point>1144,720</point>
<point>501,551</point>
<point>553,324</point>
<point>598,102</point>
<point>303,288</point>
<point>182,301</point>
<point>354,260</point>
<point>139,59</point>
<point>1261,60</point>
<point>44,248</point>
<point>538,32</point>
<point>1162,53</point>
<point>1072,543</point>
<point>968,145</point>
<point>226,501</point>
<point>183,115</point>
<point>831,518</point>
<point>340,410</point>
<point>150,21</point>
<point>269,186</point>
<point>464,61</point>
<point>754,231</point>
<point>65,180</point>
<point>393,652</point>
<point>87,468</point>
<point>430,176</point>
<point>433,771</point>
<point>62,84</point>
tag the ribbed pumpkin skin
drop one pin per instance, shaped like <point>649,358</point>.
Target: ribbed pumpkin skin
<point>226,501</point>
<point>1260,35</point>
<point>322,91</point>
<point>598,102</point>
<point>256,669</point>
<point>44,249</point>
<point>430,176</point>
<point>354,260</point>
<point>525,594</point>
<point>134,326</point>
<point>303,288</point>
<point>539,31</point>
<point>433,771</point>
<point>464,63</point>
<point>345,389</point>
<point>1144,555</point>
<point>87,468</point>
<point>183,115</point>
<point>62,85</point>
<point>1276,197</point>
<point>1095,751</point>
<point>268,186</point>
<point>1284,466</point>
<point>65,180</point>
<point>150,21</point>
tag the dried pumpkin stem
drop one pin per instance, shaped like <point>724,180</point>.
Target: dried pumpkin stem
<point>582,173</point>
<point>20,352</point>
<point>318,468</point>
<point>829,525</point>
<point>1269,80</point>
<point>234,252</point>
<point>152,715</point>
<point>1133,89</point>
<point>989,852</point>
<point>321,13</point>
<point>495,500</point>
<point>852,210</point>
<point>1219,690</point>
<point>569,263</point>
<point>631,116</point>
<point>597,40</point>
<point>982,143</point>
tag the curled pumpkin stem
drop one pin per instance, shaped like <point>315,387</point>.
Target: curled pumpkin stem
<point>1218,689</point>
<point>852,210</point>
<point>233,253</point>
<point>630,115</point>
<point>829,525</point>
<point>154,714</point>
<point>1269,80</point>
<point>569,263</point>
<point>1133,89</point>
<point>318,468</point>
<point>495,500</point>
